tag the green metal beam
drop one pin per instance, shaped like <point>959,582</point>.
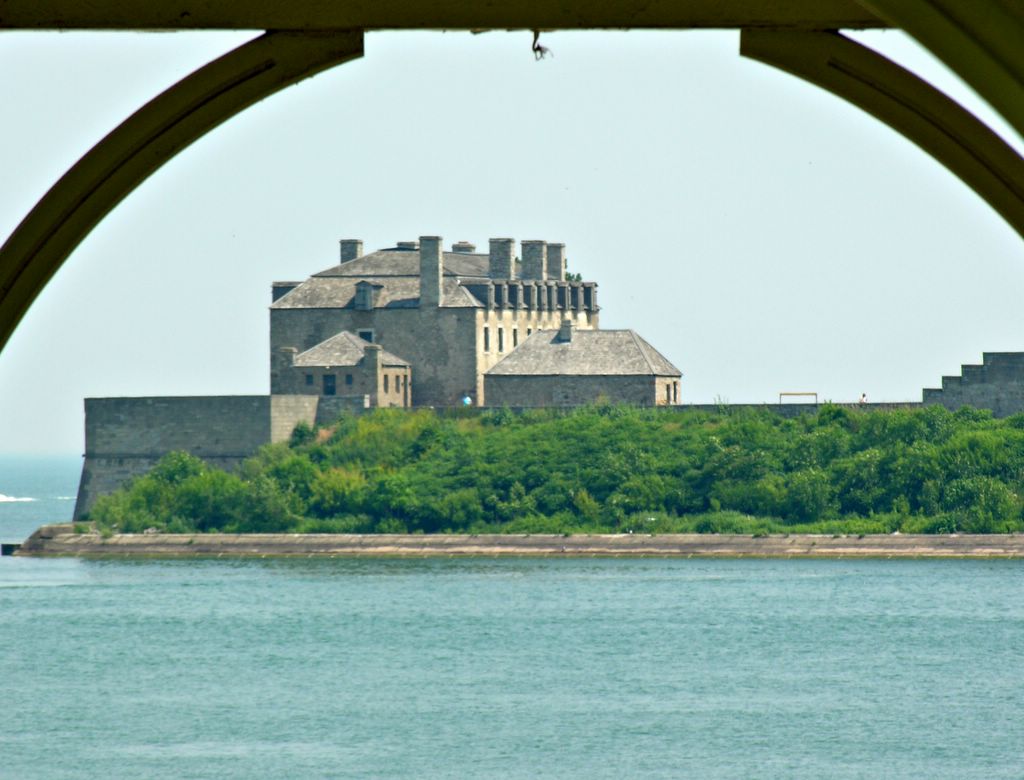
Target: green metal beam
<point>982,41</point>
<point>926,116</point>
<point>144,142</point>
<point>979,39</point>
<point>431,14</point>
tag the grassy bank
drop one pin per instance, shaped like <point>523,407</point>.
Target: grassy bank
<point>603,469</point>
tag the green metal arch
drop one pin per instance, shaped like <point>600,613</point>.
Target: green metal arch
<point>905,102</point>
<point>979,39</point>
<point>982,41</point>
<point>145,141</point>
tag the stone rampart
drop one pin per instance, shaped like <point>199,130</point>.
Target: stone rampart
<point>331,408</point>
<point>125,437</point>
<point>785,410</point>
<point>287,411</point>
<point>214,425</point>
<point>795,410</point>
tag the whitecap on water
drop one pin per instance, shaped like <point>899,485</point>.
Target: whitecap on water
<point>9,499</point>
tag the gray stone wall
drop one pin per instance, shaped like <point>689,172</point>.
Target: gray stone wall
<point>348,381</point>
<point>331,408</point>
<point>996,384</point>
<point>795,410</point>
<point>440,343</point>
<point>214,425</point>
<point>287,411</point>
<point>302,329</point>
<point>125,437</point>
<point>534,391</point>
<point>102,475</point>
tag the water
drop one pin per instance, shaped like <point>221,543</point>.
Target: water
<point>34,490</point>
<point>511,668</point>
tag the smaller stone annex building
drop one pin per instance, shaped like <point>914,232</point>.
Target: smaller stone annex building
<point>347,365</point>
<point>570,367</point>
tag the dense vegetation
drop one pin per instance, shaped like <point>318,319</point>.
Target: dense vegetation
<point>603,469</point>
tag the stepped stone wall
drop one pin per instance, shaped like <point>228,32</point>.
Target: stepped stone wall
<point>996,384</point>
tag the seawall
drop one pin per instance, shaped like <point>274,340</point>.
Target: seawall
<point>61,540</point>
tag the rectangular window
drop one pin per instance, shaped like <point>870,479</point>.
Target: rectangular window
<point>668,394</point>
<point>385,383</point>
<point>675,392</point>
<point>501,339</point>
<point>365,335</point>
<point>487,339</point>
<point>515,337</point>
<point>529,331</point>
<point>348,379</point>
<point>309,379</point>
<point>329,388</point>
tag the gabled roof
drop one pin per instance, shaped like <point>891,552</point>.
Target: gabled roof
<point>406,262</point>
<point>343,349</point>
<point>332,292</point>
<point>589,353</point>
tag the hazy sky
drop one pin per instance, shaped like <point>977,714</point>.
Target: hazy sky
<point>761,233</point>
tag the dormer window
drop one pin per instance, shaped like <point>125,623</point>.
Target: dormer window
<point>366,296</point>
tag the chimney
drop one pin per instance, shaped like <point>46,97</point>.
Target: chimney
<point>556,262</point>
<point>463,247</point>
<point>502,266</point>
<point>431,271</point>
<point>351,248</point>
<point>408,246</point>
<point>535,260</point>
<point>565,332</point>
<point>371,356</point>
<point>280,289</point>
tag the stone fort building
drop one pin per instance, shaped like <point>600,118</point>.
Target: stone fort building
<point>451,314</point>
<point>409,325</point>
<point>463,326</point>
<point>417,325</point>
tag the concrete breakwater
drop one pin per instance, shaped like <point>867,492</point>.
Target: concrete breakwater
<point>61,540</point>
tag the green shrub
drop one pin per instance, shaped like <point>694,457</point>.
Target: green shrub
<point>302,433</point>
<point>605,468</point>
